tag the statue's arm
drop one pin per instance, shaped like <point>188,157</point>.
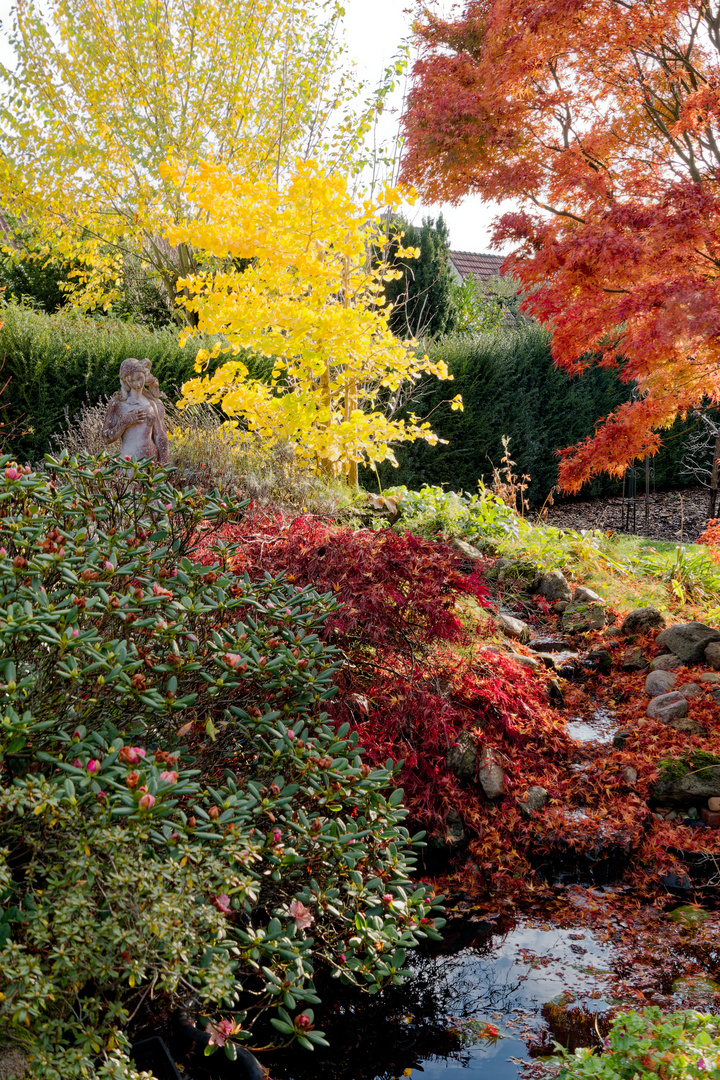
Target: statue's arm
<point>113,425</point>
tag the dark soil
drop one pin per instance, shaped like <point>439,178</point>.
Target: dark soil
<point>671,515</point>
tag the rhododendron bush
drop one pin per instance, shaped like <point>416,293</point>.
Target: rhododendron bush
<point>177,815</point>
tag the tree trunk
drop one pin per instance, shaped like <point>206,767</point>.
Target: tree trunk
<point>714,479</point>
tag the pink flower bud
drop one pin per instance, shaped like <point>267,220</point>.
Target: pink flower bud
<point>169,776</point>
<point>291,734</point>
<point>3,551</point>
<point>387,898</point>
<point>109,566</point>
<point>303,1022</point>
<point>12,474</point>
<point>75,632</point>
<point>277,836</point>
<point>93,766</point>
<point>222,902</point>
<point>147,801</point>
<point>77,764</point>
<point>168,506</point>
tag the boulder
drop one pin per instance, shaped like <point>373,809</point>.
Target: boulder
<point>689,785</point>
<point>491,774</point>
<point>534,801</point>
<point>560,607</point>
<point>688,640</point>
<point>455,834</point>
<point>715,695</point>
<point>583,595</point>
<point>714,804</point>
<point>666,662</point>
<point>520,570</point>
<point>629,774</point>
<point>582,618</point>
<point>512,627</point>
<point>468,551</point>
<point>710,677</point>
<point>14,1062</point>
<point>710,817</point>
<point>600,659</point>
<point>620,738</point>
<point>687,726</point>
<point>642,619</point>
<point>555,694</point>
<point>462,757</point>
<point>550,645</point>
<point>712,655</point>
<point>667,707</point>
<point>554,586</point>
<point>659,682</point>
<point>634,660</point>
<point>526,661</point>
<point>690,690</point>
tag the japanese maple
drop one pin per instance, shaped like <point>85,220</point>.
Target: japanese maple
<point>599,117</point>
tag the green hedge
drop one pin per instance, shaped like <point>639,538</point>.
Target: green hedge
<point>510,386</point>
<point>58,362</point>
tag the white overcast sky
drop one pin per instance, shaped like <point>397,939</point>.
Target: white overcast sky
<point>374,31</point>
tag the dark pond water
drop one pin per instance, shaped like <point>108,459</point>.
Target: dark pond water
<point>528,983</point>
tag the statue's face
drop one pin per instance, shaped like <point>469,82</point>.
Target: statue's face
<point>134,379</point>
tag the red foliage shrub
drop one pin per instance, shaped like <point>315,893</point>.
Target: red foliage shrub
<point>394,589</point>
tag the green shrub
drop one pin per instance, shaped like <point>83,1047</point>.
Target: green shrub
<point>57,363</point>
<point>510,386</point>
<point>175,813</point>
<point>645,1045</point>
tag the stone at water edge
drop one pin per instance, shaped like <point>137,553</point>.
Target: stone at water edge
<point>690,690</point>
<point>462,757</point>
<point>601,659</point>
<point>582,618</point>
<point>582,595</point>
<point>526,661</point>
<point>694,784</point>
<point>666,662</point>
<point>634,660</point>
<point>554,586</point>
<point>712,655</point>
<point>491,774</point>
<point>639,620</point>
<point>711,819</point>
<point>687,640</point>
<point>687,726</point>
<point>667,707</point>
<point>555,693</point>
<point>454,829</point>
<point>620,738</point>
<point>512,627</point>
<point>659,682</point>
<point>534,801</point>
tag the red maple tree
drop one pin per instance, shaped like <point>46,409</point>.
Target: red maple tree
<point>600,117</point>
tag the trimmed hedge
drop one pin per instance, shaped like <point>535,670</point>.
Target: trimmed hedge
<point>510,386</point>
<point>58,362</point>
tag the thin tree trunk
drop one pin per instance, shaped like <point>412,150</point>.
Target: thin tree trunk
<point>714,479</point>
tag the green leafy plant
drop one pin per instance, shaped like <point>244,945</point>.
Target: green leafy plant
<point>645,1045</point>
<point>176,813</point>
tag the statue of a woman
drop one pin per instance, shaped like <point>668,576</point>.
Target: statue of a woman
<point>136,415</point>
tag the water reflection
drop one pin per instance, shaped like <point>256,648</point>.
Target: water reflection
<point>522,982</point>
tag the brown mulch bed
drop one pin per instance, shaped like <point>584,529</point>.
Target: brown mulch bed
<point>672,515</point>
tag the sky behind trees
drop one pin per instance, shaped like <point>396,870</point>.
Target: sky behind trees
<point>375,30</point>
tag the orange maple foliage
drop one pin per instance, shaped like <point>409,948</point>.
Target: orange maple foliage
<point>601,118</point>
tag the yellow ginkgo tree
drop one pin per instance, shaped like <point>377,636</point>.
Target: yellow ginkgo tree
<point>294,280</point>
<point>97,93</point>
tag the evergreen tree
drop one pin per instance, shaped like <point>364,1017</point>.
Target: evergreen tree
<point>423,301</point>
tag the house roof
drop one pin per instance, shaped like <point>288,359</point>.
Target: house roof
<point>476,264</point>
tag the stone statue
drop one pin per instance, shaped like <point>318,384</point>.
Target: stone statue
<point>136,415</point>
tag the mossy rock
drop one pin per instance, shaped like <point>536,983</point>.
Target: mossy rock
<point>582,618</point>
<point>684,780</point>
